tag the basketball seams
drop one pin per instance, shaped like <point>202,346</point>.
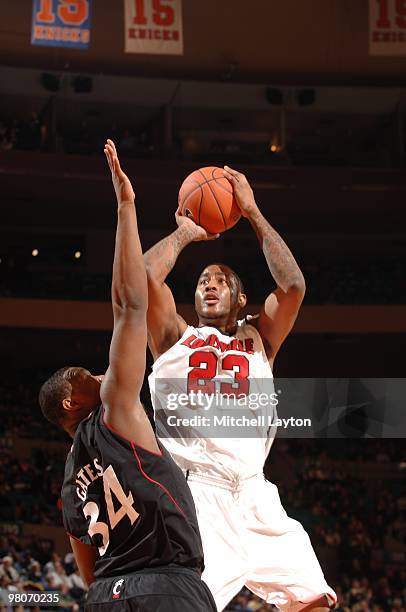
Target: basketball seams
<point>191,193</point>
<point>216,179</point>
<point>213,214</point>
<point>215,197</point>
<point>200,203</point>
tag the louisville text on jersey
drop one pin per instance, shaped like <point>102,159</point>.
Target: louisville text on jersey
<point>243,346</point>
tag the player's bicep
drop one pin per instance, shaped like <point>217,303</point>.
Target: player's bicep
<point>165,325</point>
<point>277,317</point>
<point>128,347</point>
<point>127,359</point>
<point>85,557</point>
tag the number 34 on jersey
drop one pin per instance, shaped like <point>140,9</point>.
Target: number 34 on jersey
<point>111,485</point>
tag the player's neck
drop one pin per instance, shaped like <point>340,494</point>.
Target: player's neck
<point>225,327</point>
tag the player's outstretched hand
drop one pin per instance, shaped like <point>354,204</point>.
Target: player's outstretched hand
<point>122,185</point>
<point>198,233</point>
<point>242,191</point>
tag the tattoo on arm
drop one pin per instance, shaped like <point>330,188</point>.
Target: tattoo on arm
<point>280,260</point>
<point>161,258</point>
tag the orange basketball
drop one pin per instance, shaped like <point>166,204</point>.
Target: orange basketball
<point>207,197</point>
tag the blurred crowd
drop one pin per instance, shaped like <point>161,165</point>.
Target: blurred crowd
<point>382,282</point>
<point>354,281</point>
<point>30,134</point>
<point>362,522</point>
<point>144,133</point>
<point>32,566</point>
<point>30,487</point>
<point>35,133</point>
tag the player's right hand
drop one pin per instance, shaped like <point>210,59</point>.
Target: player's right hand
<point>198,233</point>
<point>122,184</point>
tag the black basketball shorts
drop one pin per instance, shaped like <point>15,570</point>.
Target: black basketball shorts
<point>153,590</point>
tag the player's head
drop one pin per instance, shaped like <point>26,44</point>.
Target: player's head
<point>219,295</point>
<point>69,396</point>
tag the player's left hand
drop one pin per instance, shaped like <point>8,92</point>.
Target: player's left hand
<point>197,232</point>
<point>122,185</point>
<point>242,191</point>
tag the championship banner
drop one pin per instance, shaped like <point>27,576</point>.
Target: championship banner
<point>153,26</point>
<point>61,23</point>
<point>387,27</point>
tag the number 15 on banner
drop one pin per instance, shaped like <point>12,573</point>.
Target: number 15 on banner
<point>61,23</point>
<point>153,26</point>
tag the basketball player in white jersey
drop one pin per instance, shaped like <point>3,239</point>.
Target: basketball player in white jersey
<point>248,538</point>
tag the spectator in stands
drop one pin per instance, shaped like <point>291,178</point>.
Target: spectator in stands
<point>59,576</point>
<point>50,567</point>
<point>76,580</point>
<point>7,569</point>
<point>6,587</point>
<point>34,573</point>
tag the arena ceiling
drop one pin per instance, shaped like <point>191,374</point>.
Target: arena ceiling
<point>291,41</point>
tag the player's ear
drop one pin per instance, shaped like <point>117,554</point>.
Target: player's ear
<point>242,300</point>
<point>69,404</point>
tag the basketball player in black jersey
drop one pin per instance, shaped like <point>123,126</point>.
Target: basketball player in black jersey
<point>126,506</point>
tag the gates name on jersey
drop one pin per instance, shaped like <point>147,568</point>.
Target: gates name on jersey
<point>83,481</point>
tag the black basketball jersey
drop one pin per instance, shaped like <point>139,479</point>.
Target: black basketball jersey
<point>133,504</point>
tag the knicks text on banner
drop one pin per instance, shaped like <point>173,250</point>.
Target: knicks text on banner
<point>61,23</point>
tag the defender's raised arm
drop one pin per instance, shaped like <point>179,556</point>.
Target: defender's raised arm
<point>121,385</point>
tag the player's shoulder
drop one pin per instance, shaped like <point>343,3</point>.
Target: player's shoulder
<point>248,320</point>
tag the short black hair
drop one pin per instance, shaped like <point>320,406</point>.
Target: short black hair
<point>229,272</point>
<point>52,393</point>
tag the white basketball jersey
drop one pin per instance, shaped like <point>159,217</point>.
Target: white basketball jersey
<point>214,401</point>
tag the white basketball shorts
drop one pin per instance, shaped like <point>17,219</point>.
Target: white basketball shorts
<point>248,539</point>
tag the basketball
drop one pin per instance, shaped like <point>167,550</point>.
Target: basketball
<point>207,197</point>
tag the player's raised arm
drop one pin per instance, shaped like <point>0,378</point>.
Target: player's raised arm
<point>122,383</point>
<point>281,307</point>
<point>165,326</point>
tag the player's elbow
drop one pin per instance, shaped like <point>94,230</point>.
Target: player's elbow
<point>149,267</point>
<point>132,301</point>
<point>297,287</point>
<point>154,282</point>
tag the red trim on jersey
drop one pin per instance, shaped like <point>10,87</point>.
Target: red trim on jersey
<point>74,537</point>
<point>154,481</point>
<point>127,439</point>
